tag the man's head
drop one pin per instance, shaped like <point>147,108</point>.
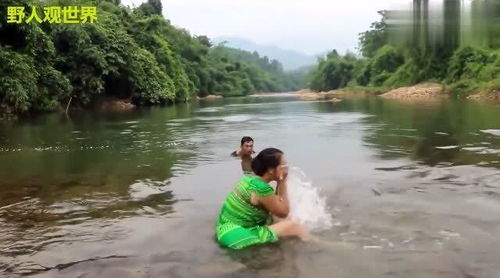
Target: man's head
<point>246,145</point>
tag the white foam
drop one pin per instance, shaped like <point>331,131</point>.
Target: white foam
<point>492,131</point>
<point>307,206</point>
<point>474,149</point>
<point>211,109</point>
<point>237,118</point>
<point>447,147</point>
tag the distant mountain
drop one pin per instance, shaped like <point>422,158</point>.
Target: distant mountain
<point>290,59</point>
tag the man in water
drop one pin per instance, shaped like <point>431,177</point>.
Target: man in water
<point>245,153</point>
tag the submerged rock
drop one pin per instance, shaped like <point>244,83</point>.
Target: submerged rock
<point>209,97</point>
<point>114,105</point>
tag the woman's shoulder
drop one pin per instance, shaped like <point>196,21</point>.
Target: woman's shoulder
<point>261,187</point>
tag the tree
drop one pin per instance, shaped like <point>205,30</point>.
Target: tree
<point>333,73</point>
<point>373,39</point>
<point>134,54</point>
<point>156,5</point>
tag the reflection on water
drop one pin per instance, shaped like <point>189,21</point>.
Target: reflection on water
<point>414,190</point>
<point>446,132</point>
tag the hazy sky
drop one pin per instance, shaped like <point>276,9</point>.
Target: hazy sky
<point>308,26</point>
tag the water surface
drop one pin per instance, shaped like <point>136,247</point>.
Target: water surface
<point>414,187</point>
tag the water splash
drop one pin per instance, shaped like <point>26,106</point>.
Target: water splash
<point>307,206</point>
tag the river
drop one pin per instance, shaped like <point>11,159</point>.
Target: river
<point>413,188</point>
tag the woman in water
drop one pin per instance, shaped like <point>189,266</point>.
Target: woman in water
<point>246,215</point>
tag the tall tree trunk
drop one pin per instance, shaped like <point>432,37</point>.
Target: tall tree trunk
<point>417,18</point>
<point>452,9</point>
<point>425,26</point>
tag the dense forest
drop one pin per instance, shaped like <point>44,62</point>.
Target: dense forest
<point>457,47</point>
<point>134,54</point>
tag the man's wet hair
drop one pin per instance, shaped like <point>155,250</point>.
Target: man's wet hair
<point>246,139</point>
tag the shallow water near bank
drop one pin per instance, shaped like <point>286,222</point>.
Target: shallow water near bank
<point>413,188</point>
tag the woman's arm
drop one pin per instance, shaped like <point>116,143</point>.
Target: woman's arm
<point>277,204</point>
<point>282,189</point>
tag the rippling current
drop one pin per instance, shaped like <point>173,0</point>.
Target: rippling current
<point>411,190</point>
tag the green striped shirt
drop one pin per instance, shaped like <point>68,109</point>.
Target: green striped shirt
<point>238,209</point>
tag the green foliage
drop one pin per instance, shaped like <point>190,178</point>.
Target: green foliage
<point>381,67</point>
<point>297,79</point>
<point>472,68</point>
<point>333,72</point>
<point>152,33</point>
<point>469,62</point>
<point>26,85</point>
<point>238,72</point>
<point>28,79</point>
<point>409,73</point>
<point>387,59</point>
<point>156,5</point>
<point>16,87</point>
<point>375,38</point>
<point>411,52</point>
<point>133,54</point>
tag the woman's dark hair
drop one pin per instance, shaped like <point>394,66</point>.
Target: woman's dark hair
<point>246,139</point>
<point>267,159</point>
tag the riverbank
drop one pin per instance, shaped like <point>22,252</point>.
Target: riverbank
<point>486,96</point>
<point>420,92</point>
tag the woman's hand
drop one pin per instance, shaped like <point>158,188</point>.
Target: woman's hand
<point>282,172</point>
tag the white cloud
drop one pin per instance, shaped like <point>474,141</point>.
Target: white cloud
<point>309,26</point>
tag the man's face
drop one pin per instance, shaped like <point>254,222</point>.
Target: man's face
<point>247,148</point>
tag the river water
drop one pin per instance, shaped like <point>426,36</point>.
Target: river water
<point>413,189</point>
